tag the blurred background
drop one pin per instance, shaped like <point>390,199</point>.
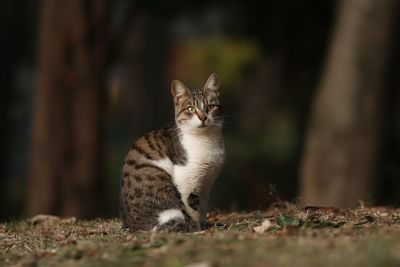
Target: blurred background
<point>310,91</point>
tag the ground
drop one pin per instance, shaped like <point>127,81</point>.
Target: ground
<point>284,235</point>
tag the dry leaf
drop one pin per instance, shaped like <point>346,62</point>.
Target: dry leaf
<point>58,236</point>
<point>266,224</point>
<point>200,264</point>
<point>70,220</point>
<point>43,218</point>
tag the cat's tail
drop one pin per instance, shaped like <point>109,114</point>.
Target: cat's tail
<point>173,220</point>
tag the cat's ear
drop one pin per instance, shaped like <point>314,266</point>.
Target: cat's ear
<point>212,85</point>
<point>179,90</point>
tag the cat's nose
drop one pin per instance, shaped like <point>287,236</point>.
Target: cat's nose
<point>202,116</point>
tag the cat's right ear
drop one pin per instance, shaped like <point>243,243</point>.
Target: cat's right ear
<point>179,90</point>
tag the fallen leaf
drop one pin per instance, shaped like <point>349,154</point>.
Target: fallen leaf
<point>200,264</point>
<point>41,218</point>
<point>58,236</point>
<point>70,220</point>
<point>130,237</point>
<point>266,224</point>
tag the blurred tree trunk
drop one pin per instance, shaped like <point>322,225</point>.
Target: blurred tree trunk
<point>267,82</point>
<point>266,95</point>
<point>143,55</point>
<point>65,159</point>
<point>14,42</point>
<point>340,155</point>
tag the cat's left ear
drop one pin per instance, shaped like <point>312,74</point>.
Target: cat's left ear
<point>212,85</point>
<point>179,90</point>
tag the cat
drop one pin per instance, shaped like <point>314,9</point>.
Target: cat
<point>168,174</point>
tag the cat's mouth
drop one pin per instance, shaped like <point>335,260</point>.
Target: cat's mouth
<point>203,125</point>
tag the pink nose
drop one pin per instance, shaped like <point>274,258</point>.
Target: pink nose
<point>202,116</point>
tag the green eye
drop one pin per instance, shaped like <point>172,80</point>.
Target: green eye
<point>191,109</point>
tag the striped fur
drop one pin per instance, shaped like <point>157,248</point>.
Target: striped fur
<point>168,173</point>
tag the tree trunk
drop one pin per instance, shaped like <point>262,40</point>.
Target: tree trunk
<point>143,55</point>
<point>340,155</point>
<point>66,125</point>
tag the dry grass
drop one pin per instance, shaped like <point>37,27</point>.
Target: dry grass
<point>294,236</point>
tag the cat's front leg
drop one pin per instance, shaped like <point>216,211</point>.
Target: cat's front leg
<point>199,203</point>
<point>194,206</point>
<point>203,213</point>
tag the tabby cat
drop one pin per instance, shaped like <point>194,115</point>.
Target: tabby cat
<point>168,174</point>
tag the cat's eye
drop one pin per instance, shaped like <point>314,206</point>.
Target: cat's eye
<point>191,109</point>
<point>211,107</point>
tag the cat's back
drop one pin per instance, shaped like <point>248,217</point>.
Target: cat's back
<point>146,188</point>
<point>157,145</point>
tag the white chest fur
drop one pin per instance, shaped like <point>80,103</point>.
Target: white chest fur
<point>205,157</point>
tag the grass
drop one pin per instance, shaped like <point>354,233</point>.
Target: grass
<point>293,236</point>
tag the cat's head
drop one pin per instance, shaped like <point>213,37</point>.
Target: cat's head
<point>198,110</point>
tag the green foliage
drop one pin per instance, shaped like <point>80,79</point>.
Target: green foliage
<point>226,56</point>
<point>287,221</point>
